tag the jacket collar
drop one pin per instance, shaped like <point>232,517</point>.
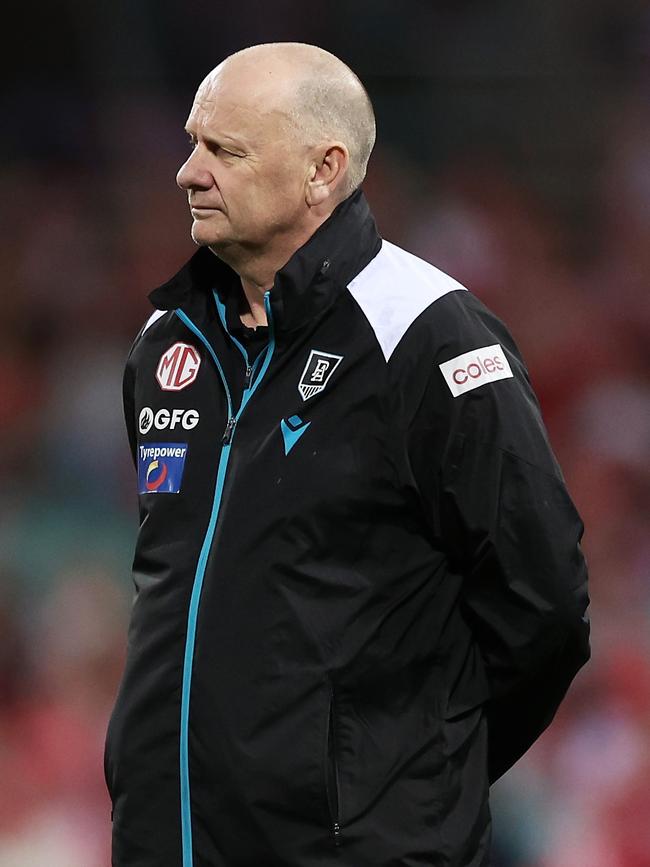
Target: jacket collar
<point>310,281</point>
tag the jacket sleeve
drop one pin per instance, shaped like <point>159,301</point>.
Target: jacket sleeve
<point>128,396</point>
<point>499,508</point>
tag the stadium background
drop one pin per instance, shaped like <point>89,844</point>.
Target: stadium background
<point>514,153</point>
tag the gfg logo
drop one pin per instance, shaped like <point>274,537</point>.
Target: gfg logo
<point>475,368</point>
<point>178,367</point>
<point>163,419</point>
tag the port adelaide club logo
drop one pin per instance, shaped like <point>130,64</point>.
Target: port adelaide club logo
<point>178,367</point>
<point>317,373</point>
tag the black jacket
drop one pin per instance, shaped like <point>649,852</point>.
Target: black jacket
<point>360,595</point>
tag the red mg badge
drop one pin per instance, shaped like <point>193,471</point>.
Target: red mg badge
<point>178,367</point>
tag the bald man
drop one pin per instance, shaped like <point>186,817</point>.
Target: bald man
<point>360,594</point>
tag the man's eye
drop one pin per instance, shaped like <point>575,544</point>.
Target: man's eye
<point>213,147</point>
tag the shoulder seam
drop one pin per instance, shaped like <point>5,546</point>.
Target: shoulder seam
<point>153,318</point>
<point>394,289</point>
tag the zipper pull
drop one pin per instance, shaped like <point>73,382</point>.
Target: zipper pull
<point>247,378</point>
<point>337,834</point>
<point>227,434</point>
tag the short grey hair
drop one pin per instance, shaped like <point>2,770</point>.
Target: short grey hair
<point>327,103</point>
<point>336,106</point>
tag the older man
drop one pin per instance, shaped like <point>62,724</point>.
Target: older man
<point>360,591</point>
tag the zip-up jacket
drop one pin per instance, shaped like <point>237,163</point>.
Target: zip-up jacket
<point>359,589</point>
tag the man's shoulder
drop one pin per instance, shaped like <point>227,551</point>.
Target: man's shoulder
<point>155,316</point>
<point>406,297</point>
<point>393,264</point>
<point>158,325</point>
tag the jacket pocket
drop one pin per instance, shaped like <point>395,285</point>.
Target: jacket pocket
<point>332,780</point>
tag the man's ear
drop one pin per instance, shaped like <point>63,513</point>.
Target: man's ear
<point>327,173</point>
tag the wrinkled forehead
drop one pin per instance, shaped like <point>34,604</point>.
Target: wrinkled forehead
<point>240,97</point>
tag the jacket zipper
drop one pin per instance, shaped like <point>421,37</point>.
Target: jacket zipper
<point>192,616</point>
<point>333,783</point>
<point>228,432</point>
<point>250,368</point>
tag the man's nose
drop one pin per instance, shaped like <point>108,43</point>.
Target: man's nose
<point>193,175</point>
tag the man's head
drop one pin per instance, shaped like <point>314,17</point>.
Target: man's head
<point>281,133</point>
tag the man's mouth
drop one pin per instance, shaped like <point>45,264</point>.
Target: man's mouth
<point>202,210</point>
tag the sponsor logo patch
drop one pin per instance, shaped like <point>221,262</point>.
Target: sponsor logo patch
<point>318,370</point>
<point>178,367</point>
<point>166,418</point>
<point>292,429</point>
<point>471,369</point>
<point>160,467</point>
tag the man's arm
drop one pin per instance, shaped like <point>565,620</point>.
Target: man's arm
<point>500,509</point>
<point>128,384</point>
<point>128,401</point>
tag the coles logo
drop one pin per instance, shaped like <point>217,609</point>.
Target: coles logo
<point>160,467</point>
<point>475,368</point>
<point>178,367</point>
<point>165,418</point>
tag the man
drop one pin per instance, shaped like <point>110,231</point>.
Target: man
<point>360,593</point>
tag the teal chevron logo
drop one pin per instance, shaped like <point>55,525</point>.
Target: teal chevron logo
<point>292,429</point>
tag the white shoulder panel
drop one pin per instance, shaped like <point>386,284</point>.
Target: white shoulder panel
<point>153,318</point>
<point>394,288</point>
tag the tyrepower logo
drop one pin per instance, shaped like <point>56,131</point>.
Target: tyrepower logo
<point>178,367</point>
<point>165,418</point>
<point>160,467</point>
<point>475,368</point>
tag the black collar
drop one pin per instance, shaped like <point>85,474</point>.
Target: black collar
<point>310,281</point>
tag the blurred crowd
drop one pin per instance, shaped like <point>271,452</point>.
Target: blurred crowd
<point>87,232</point>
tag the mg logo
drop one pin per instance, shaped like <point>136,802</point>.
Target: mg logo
<point>178,367</point>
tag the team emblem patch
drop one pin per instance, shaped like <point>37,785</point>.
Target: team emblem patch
<point>178,367</point>
<point>160,467</point>
<point>318,370</point>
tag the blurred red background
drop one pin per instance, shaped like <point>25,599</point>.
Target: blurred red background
<point>514,153</point>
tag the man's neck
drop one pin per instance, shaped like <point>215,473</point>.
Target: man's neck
<point>257,272</point>
<point>256,315</point>
<point>257,276</point>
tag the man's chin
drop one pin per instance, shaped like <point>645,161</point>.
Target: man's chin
<point>203,236</point>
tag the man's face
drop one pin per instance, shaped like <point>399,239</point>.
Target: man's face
<point>245,177</point>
